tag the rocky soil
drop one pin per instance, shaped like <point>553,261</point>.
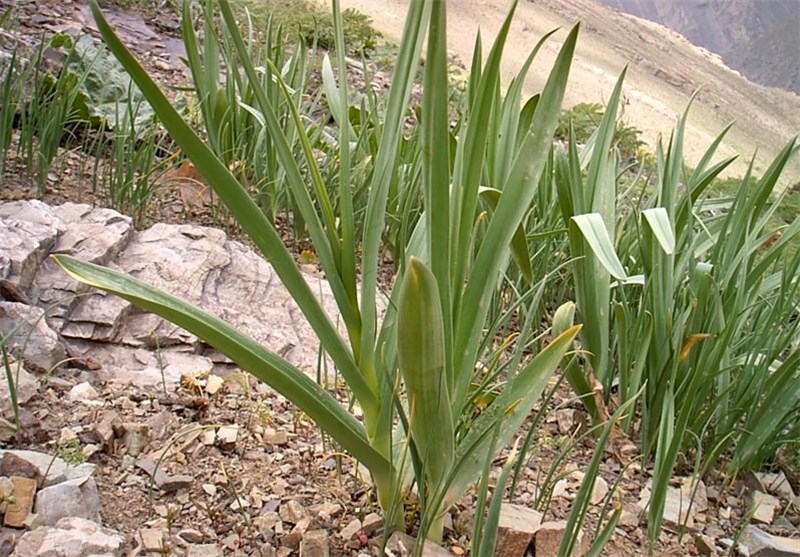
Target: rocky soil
<point>136,438</point>
<point>152,434</point>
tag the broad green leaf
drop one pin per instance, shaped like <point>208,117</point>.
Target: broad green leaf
<point>592,229</point>
<point>421,352</point>
<point>657,220</point>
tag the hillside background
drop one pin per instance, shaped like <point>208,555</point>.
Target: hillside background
<point>758,38</point>
<point>664,70</point>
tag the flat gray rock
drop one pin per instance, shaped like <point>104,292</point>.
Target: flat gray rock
<point>29,336</point>
<point>68,499</point>
<point>28,232</point>
<point>197,263</point>
<point>57,469</point>
<point>70,537</point>
<point>26,385</point>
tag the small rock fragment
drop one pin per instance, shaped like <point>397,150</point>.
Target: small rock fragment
<point>403,544</point>
<point>292,512</point>
<point>203,550</point>
<point>265,550</point>
<point>160,423</point>
<point>705,544</point>
<point>104,427</point>
<point>152,539</point>
<point>81,536</point>
<point>548,537</point>
<point>25,383</point>
<point>371,524</point>
<point>315,543</point>
<point>167,483</point>
<point>190,535</point>
<point>83,392</point>
<point>599,491</point>
<point>8,539</point>
<point>273,437</point>
<point>516,528</point>
<point>777,484</point>
<point>14,465</point>
<point>135,437</point>
<point>629,518</point>
<point>763,507</point>
<point>214,383</point>
<point>761,544</point>
<point>72,498</point>
<point>350,530</point>
<point>226,437</point>
<point>326,511</point>
<point>22,493</point>
<point>6,490</point>
<point>567,420</point>
<point>292,540</point>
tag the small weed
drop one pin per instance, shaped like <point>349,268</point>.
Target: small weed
<point>70,451</point>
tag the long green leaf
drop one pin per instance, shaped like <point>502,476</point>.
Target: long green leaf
<point>421,352</point>
<point>241,205</point>
<point>248,354</point>
<point>592,229</point>
<point>511,410</point>
<point>657,220</point>
<point>515,202</point>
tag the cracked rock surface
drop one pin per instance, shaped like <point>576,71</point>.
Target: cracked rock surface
<point>198,263</point>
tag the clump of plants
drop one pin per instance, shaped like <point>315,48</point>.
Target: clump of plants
<point>688,303</point>
<point>315,25</point>
<point>582,120</point>
<point>413,373</point>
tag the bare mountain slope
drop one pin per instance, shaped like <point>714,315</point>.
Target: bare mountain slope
<point>760,39</point>
<point>665,69</point>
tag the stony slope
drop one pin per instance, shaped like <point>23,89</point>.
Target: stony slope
<point>759,39</point>
<point>665,69</point>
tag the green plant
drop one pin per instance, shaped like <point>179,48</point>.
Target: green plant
<point>690,298</point>
<point>46,112</point>
<point>129,164</point>
<point>316,26</point>
<point>12,380</point>
<point>410,374</point>
<point>581,121</point>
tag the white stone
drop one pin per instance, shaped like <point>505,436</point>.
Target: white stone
<point>763,507</point>
<point>762,544</point>
<point>82,392</point>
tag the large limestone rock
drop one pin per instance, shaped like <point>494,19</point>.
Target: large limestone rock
<point>27,334</point>
<point>70,537</point>
<point>198,263</point>
<point>28,232</point>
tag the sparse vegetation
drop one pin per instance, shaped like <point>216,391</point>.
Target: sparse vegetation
<point>683,334</point>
